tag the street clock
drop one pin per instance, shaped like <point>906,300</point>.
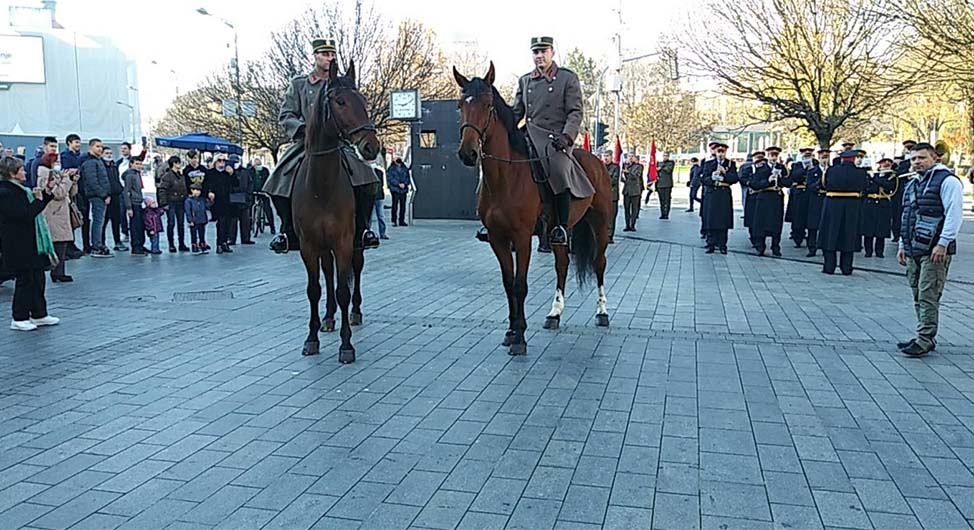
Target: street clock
<point>405,105</point>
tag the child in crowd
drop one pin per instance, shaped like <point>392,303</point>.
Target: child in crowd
<point>152,217</point>
<point>196,206</point>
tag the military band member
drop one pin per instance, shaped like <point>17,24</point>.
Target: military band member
<point>718,175</point>
<point>896,200</point>
<point>877,209</point>
<point>846,146</point>
<point>844,185</point>
<point>768,179</point>
<point>797,212</point>
<point>744,174</point>
<point>816,196</point>
<point>549,99</point>
<point>712,146</point>
<point>296,110</point>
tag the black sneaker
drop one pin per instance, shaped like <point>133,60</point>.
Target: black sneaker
<point>227,249</point>
<point>904,344</point>
<point>101,253</point>
<point>219,249</point>
<point>914,350</point>
<point>183,248</point>
<point>172,250</point>
<point>121,248</point>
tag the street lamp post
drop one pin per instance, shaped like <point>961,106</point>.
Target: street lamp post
<point>236,69</point>
<point>132,111</point>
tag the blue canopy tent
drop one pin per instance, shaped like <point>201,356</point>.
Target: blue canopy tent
<point>201,141</point>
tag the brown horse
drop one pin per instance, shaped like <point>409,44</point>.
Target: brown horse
<point>510,203</point>
<point>324,205</point>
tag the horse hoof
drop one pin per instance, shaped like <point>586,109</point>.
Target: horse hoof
<point>355,319</point>
<point>508,338</point>
<point>328,325</point>
<point>346,355</point>
<point>518,349</point>
<point>602,321</point>
<point>310,348</point>
<point>552,322</point>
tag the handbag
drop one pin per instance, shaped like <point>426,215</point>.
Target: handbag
<point>77,220</point>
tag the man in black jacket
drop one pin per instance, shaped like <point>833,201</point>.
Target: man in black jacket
<point>217,186</point>
<point>241,199</point>
<point>97,189</point>
<point>694,183</point>
<point>844,185</point>
<point>114,213</point>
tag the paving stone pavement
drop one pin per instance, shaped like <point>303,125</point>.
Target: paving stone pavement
<point>730,392</point>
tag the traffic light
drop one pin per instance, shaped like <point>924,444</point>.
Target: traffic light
<point>601,134</point>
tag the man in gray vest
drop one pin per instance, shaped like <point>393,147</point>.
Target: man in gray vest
<point>549,98</point>
<point>933,209</point>
<point>303,92</point>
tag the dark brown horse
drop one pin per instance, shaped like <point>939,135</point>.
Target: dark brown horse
<point>324,205</point>
<point>510,203</point>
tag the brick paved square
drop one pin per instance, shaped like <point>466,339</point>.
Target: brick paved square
<point>699,408</point>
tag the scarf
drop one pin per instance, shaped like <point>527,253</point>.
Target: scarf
<point>45,247</point>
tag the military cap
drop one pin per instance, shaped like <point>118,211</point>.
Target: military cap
<point>772,149</point>
<point>820,151</point>
<point>722,146</point>
<point>849,153</point>
<point>881,160</point>
<point>323,45</point>
<point>848,144</point>
<point>804,150</point>
<point>908,143</point>
<point>757,154</point>
<point>538,43</point>
<point>862,152</point>
<point>713,144</point>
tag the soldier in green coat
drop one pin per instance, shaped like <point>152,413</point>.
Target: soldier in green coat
<point>296,111</point>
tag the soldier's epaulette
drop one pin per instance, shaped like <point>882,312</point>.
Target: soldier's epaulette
<point>563,69</point>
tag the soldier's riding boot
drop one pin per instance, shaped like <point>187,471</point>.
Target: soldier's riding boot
<point>562,208</point>
<point>830,261</point>
<point>286,240</point>
<point>364,205</point>
<point>880,247</point>
<point>812,242</point>
<point>867,245</point>
<point>845,262</point>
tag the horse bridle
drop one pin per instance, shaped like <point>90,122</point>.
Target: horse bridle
<point>345,137</point>
<point>482,135</point>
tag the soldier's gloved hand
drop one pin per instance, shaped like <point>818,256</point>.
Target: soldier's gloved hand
<point>562,142</point>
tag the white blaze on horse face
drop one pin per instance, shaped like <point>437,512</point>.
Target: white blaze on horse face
<point>558,305</point>
<point>601,302</point>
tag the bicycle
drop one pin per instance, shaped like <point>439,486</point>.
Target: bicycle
<point>258,216</point>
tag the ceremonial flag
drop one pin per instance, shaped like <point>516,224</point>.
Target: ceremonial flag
<point>586,145</point>
<point>652,161</point>
<point>617,156</point>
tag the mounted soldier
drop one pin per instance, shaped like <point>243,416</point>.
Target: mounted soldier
<point>298,108</point>
<point>549,99</point>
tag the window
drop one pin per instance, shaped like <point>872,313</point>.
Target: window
<point>427,139</point>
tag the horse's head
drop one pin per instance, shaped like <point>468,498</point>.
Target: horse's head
<point>476,114</point>
<point>346,113</point>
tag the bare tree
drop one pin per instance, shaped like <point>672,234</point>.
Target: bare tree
<point>827,63</point>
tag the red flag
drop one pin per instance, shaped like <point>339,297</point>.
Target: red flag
<point>617,156</point>
<point>585,143</point>
<point>652,161</point>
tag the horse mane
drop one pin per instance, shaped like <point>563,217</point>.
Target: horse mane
<point>504,112</point>
<point>317,122</point>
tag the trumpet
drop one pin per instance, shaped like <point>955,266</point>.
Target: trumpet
<point>886,174</point>
<point>909,175</point>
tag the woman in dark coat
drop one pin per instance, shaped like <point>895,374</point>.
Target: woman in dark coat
<point>27,247</point>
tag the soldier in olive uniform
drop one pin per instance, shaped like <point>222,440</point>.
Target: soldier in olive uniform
<point>632,191</point>
<point>614,177</point>
<point>296,110</point>
<point>549,98</point>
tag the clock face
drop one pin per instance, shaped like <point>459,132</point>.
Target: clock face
<point>404,105</point>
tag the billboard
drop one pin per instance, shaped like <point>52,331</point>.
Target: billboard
<point>21,59</point>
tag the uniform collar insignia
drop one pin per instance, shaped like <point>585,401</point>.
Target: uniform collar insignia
<point>549,76</point>
<point>313,78</point>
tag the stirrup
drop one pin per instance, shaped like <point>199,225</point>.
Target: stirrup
<point>558,236</point>
<point>287,244</point>
<point>483,235</point>
<point>369,240</point>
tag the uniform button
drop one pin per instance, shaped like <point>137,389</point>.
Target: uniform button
<point>529,119</point>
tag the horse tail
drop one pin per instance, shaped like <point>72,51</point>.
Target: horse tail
<point>583,244</point>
